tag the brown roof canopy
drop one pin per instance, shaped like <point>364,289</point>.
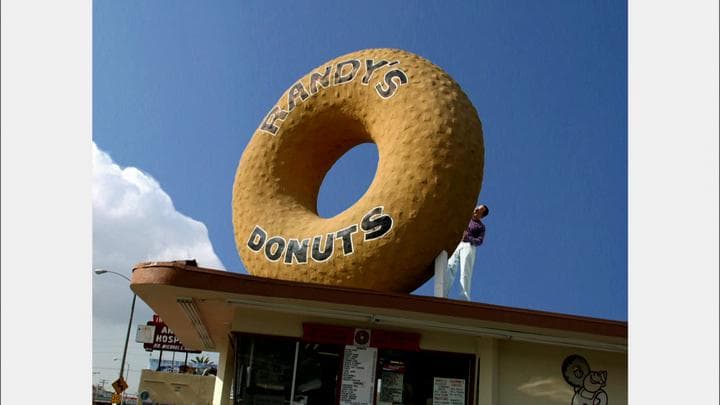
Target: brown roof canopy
<point>160,283</point>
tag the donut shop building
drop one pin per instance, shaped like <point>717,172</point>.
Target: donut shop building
<point>282,342</point>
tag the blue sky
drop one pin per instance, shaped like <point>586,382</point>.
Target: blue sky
<point>180,87</point>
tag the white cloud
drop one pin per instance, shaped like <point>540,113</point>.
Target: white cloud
<point>134,221</point>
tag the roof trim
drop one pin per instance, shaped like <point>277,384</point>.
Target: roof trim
<point>186,274</point>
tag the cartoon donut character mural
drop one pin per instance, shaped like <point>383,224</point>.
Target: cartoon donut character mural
<point>588,384</point>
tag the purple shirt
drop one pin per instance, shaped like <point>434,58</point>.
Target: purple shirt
<point>475,233</point>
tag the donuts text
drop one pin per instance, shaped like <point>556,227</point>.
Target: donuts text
<point>374,225</point>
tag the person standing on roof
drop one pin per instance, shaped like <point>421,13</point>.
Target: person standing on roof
<point>464,255</point>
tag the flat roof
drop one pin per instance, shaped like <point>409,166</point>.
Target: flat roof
<point>217,295</point>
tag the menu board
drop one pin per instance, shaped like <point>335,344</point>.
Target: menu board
<point>448,391</point>
<point>358,376</point>
<point>391,387</point>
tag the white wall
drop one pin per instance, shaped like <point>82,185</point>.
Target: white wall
<point>531,373</point>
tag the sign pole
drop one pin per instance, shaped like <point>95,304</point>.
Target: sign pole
<point>159,361</point>
<point>127,376</point>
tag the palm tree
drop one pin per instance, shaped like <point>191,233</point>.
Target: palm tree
<point>202,363</point>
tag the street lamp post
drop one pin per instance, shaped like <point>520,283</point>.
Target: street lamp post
<point>132,310</point>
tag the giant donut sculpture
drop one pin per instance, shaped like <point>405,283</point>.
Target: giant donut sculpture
<point>430,168</point>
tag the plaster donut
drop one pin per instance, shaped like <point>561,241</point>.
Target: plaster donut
<point>430,167</point>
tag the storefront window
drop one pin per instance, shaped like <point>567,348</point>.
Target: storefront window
<point>272,370</point>
<point>265,369</point>
<point>317,374</point>
<point>414,377</point>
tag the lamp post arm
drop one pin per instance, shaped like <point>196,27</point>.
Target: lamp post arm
<point>101,271</point>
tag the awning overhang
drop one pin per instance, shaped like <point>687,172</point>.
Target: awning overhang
<point>200,305</point>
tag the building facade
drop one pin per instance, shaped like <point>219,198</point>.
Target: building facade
<point>292,343</point>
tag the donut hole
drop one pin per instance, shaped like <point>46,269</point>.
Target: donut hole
<point>347,180</point>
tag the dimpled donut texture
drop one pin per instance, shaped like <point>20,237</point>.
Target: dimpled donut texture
<point>430,168</point>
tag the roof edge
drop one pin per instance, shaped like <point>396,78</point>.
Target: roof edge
<point>187,274</point>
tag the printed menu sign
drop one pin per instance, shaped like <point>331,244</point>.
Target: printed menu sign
<point>391,387</point>
<point>358,376</point>
<point>448,391</point>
